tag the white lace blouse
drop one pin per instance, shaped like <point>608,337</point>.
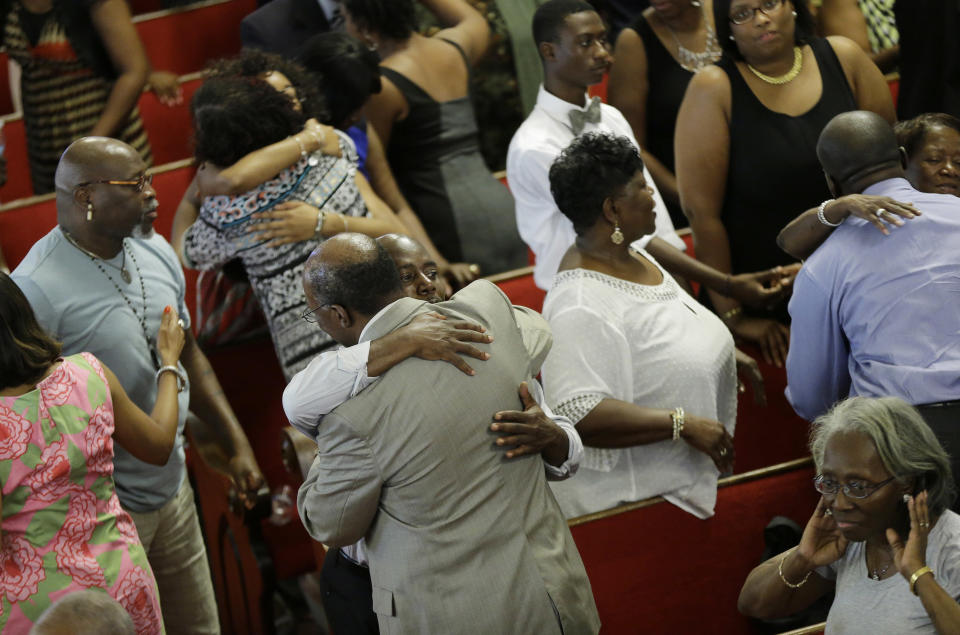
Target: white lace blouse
<point>651,345</point>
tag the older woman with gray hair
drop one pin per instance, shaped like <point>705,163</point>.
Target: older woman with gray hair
<point>882,476</point>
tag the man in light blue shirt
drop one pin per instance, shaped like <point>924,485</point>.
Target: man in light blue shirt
<point>877,314</point>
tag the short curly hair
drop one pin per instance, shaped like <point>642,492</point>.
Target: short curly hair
<point>912,133</point>
<point>394,19</point>
<point>234,116</point>
<point>255,63</point>
<point>593,168</point>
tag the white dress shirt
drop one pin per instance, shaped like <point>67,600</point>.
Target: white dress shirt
<point>333,377</point>
<point>534,147</point>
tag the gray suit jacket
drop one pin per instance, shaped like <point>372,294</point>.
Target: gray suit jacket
<point>459,539</point>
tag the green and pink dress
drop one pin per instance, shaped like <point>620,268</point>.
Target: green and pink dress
<point>62,526</point>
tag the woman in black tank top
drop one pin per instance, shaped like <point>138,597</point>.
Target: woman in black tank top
<point>425,118</point>
<point>746,142</point>
<point>656,58</point>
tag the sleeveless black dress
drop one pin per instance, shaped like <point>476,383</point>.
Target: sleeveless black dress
<point>667,84</point>
<point>435,155</point>
<point>773,173</point>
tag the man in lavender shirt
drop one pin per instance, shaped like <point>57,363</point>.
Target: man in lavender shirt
<point>877,314</point>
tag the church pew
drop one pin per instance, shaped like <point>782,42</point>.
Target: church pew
<point>18,183</point>
<point>169,129</point>
<point>657,569</point>
<point>184,39</point>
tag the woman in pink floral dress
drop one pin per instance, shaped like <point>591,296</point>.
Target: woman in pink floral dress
<point>62,526</point>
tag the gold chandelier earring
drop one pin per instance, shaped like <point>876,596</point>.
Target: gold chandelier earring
<point>617,236</point>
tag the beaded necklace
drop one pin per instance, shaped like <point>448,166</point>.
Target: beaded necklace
<point>141,318</point>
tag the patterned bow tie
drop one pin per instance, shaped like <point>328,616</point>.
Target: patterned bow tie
<point>580,118</point>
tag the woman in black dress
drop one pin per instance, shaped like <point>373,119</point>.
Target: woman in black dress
<point>656,57</point>
<point>746,138</point>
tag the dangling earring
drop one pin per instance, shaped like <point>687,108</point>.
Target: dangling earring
<point>696,4</point>
<point>793,13</point>
<point>731,37</point>
<point>89,212</point>
<point>617,236</point>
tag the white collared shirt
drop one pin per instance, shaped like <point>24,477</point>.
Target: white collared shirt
<point>534,147</point>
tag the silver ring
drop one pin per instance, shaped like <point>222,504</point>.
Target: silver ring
<point>828,512</point>
<point>181,324</point>
<point>723,451</point>
<point>924,525</point>
<point>880,212</point>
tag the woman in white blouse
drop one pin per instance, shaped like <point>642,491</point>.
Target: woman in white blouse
<point>647,374</point>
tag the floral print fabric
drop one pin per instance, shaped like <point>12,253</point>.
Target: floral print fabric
<point>62,525</point>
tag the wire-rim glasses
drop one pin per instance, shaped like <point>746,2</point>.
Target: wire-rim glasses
<point>853,489</point>
<point>310,315</point>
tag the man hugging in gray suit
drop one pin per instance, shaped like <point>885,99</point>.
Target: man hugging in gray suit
<point>459,538</point>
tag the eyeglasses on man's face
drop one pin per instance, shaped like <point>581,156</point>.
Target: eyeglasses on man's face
<point>141,182</point>
<point>851,489</point>
<point>310,315</point>
<point>744,14</point>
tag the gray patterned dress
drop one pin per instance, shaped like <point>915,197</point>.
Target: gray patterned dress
<point>220,235</point>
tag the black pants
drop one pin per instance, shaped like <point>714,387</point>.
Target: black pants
<point>347,596</point>
<point>944,420</point>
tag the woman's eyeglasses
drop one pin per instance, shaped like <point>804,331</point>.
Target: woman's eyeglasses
<point>851,489</point>
<point>744,14</point>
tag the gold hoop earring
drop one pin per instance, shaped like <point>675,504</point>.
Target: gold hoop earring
<point>617,236</point>
<point>89,212</point>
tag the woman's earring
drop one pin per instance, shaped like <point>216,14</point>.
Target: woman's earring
<point>617,236</point>
<point>731,37</point>
<point>793,13</point>
<point>696,4</point>
<point>89,212</point>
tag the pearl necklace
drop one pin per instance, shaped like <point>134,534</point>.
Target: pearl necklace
<point>691,61</point>
<point>789,76</point>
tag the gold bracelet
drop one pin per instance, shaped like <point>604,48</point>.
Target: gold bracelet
<point>787,582</point>
<point>924,570</point>
<point>734,312</point>
<point>676,418</point>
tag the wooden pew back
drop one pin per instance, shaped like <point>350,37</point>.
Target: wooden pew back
<point>654,568</point>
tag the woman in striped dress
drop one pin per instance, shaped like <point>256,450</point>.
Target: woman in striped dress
<point>83,70</point>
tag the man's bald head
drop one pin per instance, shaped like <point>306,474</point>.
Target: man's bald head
<point>398,244</point>
<point>87,612</point>
<point>92,159</point>
<point>856,146</point>
<point>353,271</point>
